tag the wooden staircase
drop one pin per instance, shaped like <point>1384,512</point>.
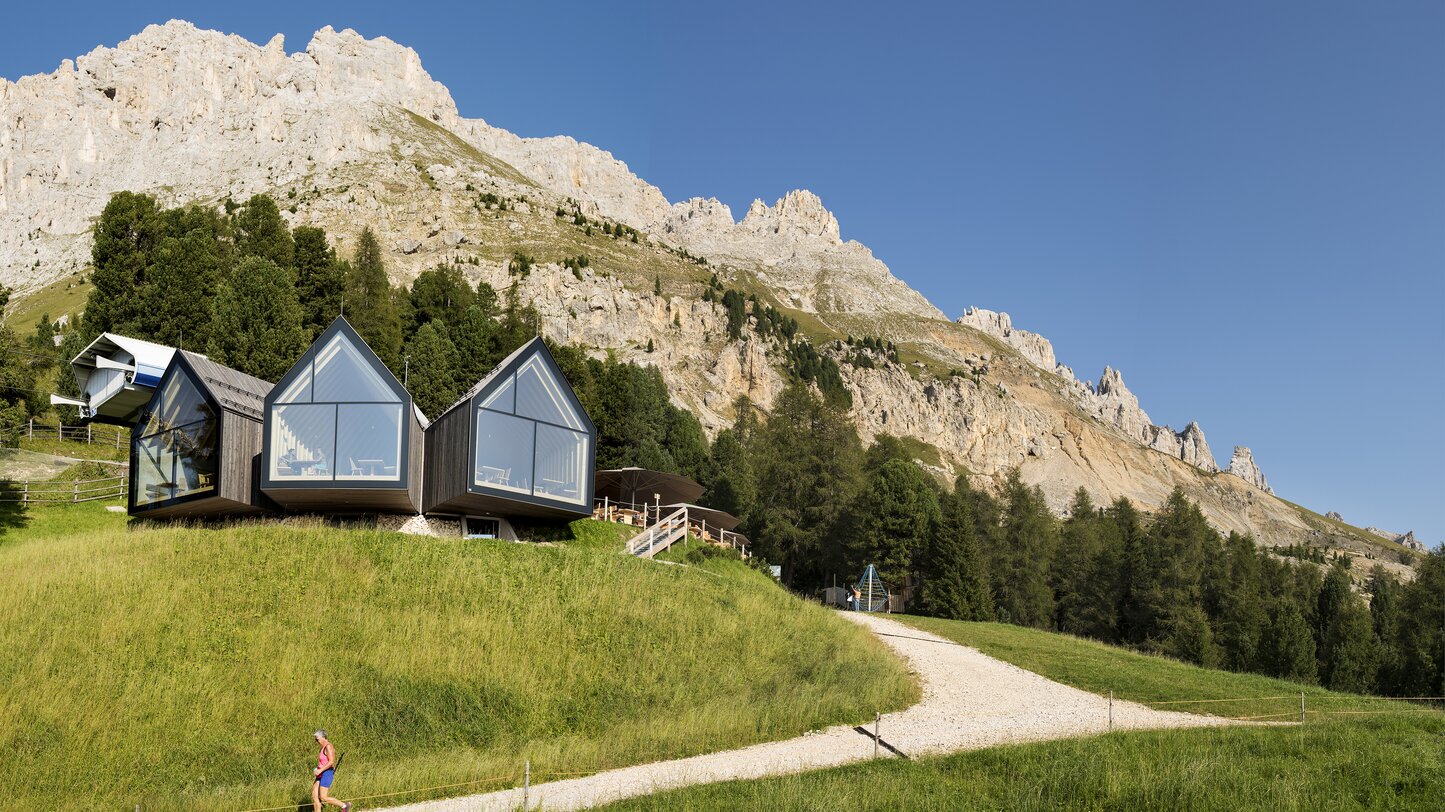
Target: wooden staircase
<point>662,534</point>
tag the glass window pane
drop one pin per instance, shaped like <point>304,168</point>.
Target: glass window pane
<point>368,441</point>
<point>179,403</point>
<point>343,373</point>
<point>561,463</point>
<point>540,395</point>
<point>300,389</point>
<point>196,450</point>
<point>502,400</point>
<point>175,463</point>
<point>154,466</point>
<point>303,437</point>
<point>504,452</point>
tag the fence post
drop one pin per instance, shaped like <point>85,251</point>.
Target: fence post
<point>25,494</point>
<point>89,435</point>
<point>75,494</point>
<point>31,430</point>
<point>1301,707</point>
<point>526,783</point>
<point>876,717</point>
<point>1111,710</point>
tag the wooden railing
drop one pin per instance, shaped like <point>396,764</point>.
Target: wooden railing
<point>659,536</point>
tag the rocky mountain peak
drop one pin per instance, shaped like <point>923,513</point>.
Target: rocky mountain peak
<point>797,213</point>
<point>1242,465</point>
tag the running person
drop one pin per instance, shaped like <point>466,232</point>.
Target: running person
<point>324,773</point>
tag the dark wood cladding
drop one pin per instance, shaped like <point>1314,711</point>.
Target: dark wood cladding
<point>448,459</point>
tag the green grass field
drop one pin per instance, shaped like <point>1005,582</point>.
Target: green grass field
<point>185,668</point>
<point>1391,760</point>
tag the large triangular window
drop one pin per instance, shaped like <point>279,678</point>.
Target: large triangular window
<point>540,395</point>
<point>179,403</point>
<point>343,375</point>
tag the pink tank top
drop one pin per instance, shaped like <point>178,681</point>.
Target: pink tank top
<point>322,762</point>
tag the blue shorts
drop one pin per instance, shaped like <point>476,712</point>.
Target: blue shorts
<point>326,777</point>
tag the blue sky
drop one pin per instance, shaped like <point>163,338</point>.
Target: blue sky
<point>1241,205</point>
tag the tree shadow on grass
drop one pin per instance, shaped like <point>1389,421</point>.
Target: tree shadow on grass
<point>13,515</point>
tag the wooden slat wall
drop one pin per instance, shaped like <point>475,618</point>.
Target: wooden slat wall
<point>448,458</point>
<point>240,445</point>
<point>416,463</point>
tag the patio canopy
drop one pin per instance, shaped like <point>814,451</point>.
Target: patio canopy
<point>720,519</point>
<point>638,485</point>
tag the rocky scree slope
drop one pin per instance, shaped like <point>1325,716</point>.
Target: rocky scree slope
<point>353,133</point>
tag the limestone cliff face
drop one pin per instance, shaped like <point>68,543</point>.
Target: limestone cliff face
<point>353,133</point>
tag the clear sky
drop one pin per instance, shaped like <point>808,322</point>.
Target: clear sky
<point>1239,204</point>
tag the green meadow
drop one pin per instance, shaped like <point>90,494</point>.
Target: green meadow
<point>185,667</point>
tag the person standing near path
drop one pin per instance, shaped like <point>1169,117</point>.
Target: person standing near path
<point>324,773</point>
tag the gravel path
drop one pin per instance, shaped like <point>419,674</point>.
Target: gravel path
<point>970,701</point>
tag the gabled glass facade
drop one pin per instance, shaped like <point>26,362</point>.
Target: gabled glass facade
<point>529,438</point>
<point>338,419</point>
<point>177,443</point>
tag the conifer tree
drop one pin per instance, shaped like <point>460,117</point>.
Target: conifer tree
<point>955,580</point>
<point>1288,649</point>
<point>320,279</point>
<point>440,294</point>
<point>891,520</point>
<point>475,338</point>
<point>260,232</point>
<point>257,327</point>
<point>369,305</point>
<point>128,230</point>
<point>1020,565</point>
<point>432,369</point>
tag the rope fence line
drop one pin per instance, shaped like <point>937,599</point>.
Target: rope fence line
<point>529,775</point>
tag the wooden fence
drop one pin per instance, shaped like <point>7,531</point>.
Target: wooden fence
<point>89,433</point>
<point>50,492</point>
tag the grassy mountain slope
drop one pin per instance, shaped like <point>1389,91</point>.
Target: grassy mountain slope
<point>184,668</point>
<point>1389,758</point>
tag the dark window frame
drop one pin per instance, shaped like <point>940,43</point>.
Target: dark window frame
<point>306,362</point>
<point>179,365</point>
<point>589,432</point>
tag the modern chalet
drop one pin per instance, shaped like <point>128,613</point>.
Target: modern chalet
<point>195,442</point>
<point>342,433</point>
<point>518,443</point>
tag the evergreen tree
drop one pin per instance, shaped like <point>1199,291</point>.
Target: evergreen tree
<point>128,230</point>
<point>369,305</point>
<point>1020,565</point>
<point>1385,594</point>
<point>260,232</point>
<point>803,492</point>
<point>186,269</point>
<point>1350,656</point>
<point>1190,638</point>
<point>474,336</point>
<point>432,375</point>
<point>731,486</point>
<point>955,579</point>
<point>1288,649</point>
<point>1241,615</point>
<point>1421,640</point>
<point>320,279</point>
<point>892,518</point>
<point>440,294</point>
<point>257,327</point>
<point>65,384</point>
